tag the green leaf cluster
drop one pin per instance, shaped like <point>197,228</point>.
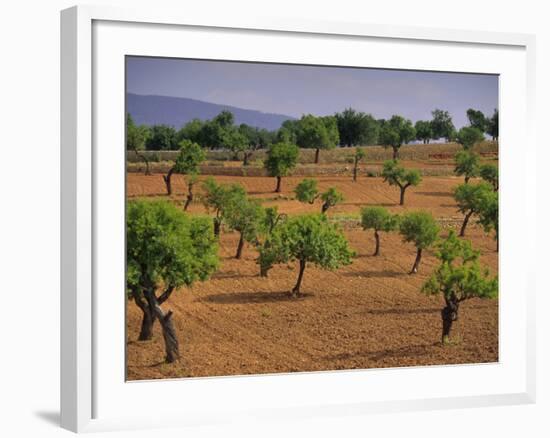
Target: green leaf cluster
<point>281,159</point>
<point>396,175</point>
<point>378,219</point>
<point>419,228</point>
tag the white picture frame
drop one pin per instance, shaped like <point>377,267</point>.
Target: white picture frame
<point>90,185</point>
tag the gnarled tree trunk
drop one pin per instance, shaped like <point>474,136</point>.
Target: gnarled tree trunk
<point>414,269</point>
<point>325,207</point>
<point>395,152</point>
<point>217,226</point>
<point>402,195</point>
<point>377,239</point>
<point>240,247</point>
<point>168,180</point>
<point>168,330</point>
<point>465,223</point>
<point>278,188</point>
<point>317,156</point>
<point>296,289</point>
<point>189,196</point>
<point>449,314</point>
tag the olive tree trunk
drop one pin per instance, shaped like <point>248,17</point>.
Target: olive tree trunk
<point>395,152</point>
<point>240,247</point>
<point>168,180</point>
<point>278,188</point>
<point>355,165</point>
<point>377,239</point>
<point>449,314</point>
<point>217,226</point>
<point>465,223</point>
<point>402,195</point>
<point>189,196</point>
<point>296,289</point>
<point>414,269</point>
<point>168,330</point>
<point>317,156</point>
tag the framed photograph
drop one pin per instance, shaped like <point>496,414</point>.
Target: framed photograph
<point>290,219</point>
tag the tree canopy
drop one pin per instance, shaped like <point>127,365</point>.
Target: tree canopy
<point>220,200</point>
<point>489,173</point>
<point>469,136</point>
<point>424,131</point>
<point>310,238</point>
<point>477,119</point>
<point>442,125</point>
<point>471,199</point>
<point>466,164</point>
<point>356,128</point>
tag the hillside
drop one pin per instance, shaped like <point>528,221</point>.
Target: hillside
<point>177,111</point>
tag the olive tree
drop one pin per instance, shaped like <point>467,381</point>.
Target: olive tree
<point>281,160</point>
<point>356,128</point>
<point>268,257</point>
<point>165,249</point>
<point>317,133</point>
<point>424,131</point>
<point>489,173</point>
<point>471,199</point>
<point>357,157</point>
<point>220,199</point>
<point>396,132</point>
<point>306,191</point>
<point>189,158</point>
<point>421,229</point>
<point>477,119</point>
<point>309,238</point>
<point>458,277</point>
<point>442,124</point>
<point>136,139</point>
<point>190,180</point>
<point>469,136</point>
<point>466,164</point>
<point>378,219</point>
<point>396,175</point>
<point>245,216</point>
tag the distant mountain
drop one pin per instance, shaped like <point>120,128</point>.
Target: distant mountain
<point>177,111</point>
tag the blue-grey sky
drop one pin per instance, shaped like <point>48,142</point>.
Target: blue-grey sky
<point>295,89</point>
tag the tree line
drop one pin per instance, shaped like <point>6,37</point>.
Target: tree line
<point>348,128</point>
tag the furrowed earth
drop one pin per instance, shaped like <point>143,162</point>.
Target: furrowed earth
<point>370,314</point>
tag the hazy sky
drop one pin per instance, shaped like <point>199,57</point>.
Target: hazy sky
<point>295,90</point>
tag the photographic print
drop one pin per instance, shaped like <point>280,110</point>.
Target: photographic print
<point>294,218</point>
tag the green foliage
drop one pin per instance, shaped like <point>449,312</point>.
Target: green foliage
<point>356,128</point>
<point>306,191</point>
<point>359,155</point>
<point>136,136</point>
<point>396,132</point>
<point>245,216</point>
<point>488,213</point>
<point>281,159</point>
<point>477,119</point>
<point>469,136</point>
<point>191,131</point>
<point>459,276</point>
<point>442,125</point>
<point>317,132</point>
<point>330,198</point>
<point>424,131</point>
<point>419,228</point>
<point>190,156</point>
<point>220,199</point>
<point>378,219</point>
<point>472,197</point>
<point>466,164</point>
<point>396,175</point>
<point>311,238</point>
<point>162,138</point>
<point>492,126</point>
<point>166,247</point>
<point>489,173</point>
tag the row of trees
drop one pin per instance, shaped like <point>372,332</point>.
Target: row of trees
<point>167,249</point>
<point>348,128</point>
